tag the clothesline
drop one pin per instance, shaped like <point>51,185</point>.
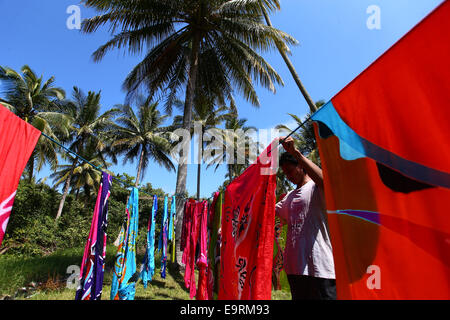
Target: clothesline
<point>301,125</point>
<point>99,168</point>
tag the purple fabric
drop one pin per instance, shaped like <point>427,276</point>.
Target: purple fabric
<point>93,263</point>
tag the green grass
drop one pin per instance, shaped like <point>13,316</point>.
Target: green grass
<point>50,271</point>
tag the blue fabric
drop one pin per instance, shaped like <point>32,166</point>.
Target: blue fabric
<point>352,147</point>
<point>125,268</point>
<point>172,216</point>
<point>162,245</point>
<point>148,265</point>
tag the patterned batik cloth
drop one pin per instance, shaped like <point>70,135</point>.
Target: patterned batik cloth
<point>17,141</point>
<point>93,263</point>
<point>202,262</point>
<point>193,214</point>
<point>248,231</point>
<point>148,265</point>
<point>125,275</point>
<point>171,236</point>
<point>214,250</point>
<point>162,245</point>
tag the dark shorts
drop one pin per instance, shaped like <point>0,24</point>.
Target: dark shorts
<point>311,288</point>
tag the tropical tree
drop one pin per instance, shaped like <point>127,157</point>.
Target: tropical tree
<point>207,114</point>
<point>36,101</point>
<point>211,42</point>
<point>304,139</point>
<point>284,50</point>
<point>142,137</point>
<point>234,137</point>
<point>87,126</point>
<point>84,176</point>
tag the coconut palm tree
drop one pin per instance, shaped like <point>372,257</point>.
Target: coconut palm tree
<point>84,176</point>
<point>36,101</point>
<point>142,136</point>
<point>207,114</point>
<point>304,139</point>
<point>86,127</point>
<point>211,42</point>
<point>265,5</point>
<point>232,137</point>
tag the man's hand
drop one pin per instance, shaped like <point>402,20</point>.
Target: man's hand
<point>289,145</point>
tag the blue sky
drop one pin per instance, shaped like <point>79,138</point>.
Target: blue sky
<point>335,45</point>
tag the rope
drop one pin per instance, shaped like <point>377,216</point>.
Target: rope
<point>292,132</point>
<point>99,168</point>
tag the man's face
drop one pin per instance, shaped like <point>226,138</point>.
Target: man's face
<point>294,173</point>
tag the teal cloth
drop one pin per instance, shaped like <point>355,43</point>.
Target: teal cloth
<point>124,277</point>
<point>172,216</point>
<point>148,265</point>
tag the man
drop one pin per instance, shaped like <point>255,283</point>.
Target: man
<point>308,254</point>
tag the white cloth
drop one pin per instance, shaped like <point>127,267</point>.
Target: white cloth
<point>308,248</point>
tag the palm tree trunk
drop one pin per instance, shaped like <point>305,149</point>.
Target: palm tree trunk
<point>66,189</point>
<point>311,104</point>
<point>31,168</point>
<point>187,117</point>
<point>199,168</point>
<point>141,161</point>
<point>198,181</point>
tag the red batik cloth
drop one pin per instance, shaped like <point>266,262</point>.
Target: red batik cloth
<point>248,231</point>
<point>17,141</point>
<point>214,225</point>
<point>202,262</point>
<point>193,214</point>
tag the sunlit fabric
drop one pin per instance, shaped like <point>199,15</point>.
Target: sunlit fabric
<point>148,265</point>
<point>248,232</point>
<point>17,142</point>
<point>93,263</point>
<point>385,149</point>
<point>123,285</point>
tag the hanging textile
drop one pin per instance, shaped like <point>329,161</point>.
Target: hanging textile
<point>171,227</point>
<point>125,275</point>
<point>162,245</point>
<point>202,262</point>
<point>193,215</point>
<point>185,227</point>
<point>279,258</point>
<point>215,216</point>
<point>17,142</point>
<point>148,265</point>
<point>248,231</point>
<point>384,144</point>
<point>93,263</point>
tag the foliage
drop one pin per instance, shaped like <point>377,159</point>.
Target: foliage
<point>33,231</point>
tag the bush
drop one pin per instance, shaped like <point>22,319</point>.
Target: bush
<point>32,229</point>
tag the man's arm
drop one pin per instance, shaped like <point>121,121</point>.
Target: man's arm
<point>310,167</point>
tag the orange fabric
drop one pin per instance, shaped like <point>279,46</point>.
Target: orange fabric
<point>410,246</point>
<point>409,83</point>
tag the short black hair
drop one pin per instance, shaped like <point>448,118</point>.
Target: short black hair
<point>286,157</point>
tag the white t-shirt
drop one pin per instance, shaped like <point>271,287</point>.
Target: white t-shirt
<point>308,248</point>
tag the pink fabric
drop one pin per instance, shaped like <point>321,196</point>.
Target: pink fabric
<point>92,233</point>
<point>186,230</point>
<point>191,245</point>
<point>202,261</point>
